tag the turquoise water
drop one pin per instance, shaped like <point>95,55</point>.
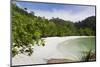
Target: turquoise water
<point>76,48</point>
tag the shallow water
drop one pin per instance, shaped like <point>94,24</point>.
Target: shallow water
<point>76,48</point>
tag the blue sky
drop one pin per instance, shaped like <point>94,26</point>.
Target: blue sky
<point>66,12</point>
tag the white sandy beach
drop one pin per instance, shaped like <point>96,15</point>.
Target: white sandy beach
<point>42,54</point>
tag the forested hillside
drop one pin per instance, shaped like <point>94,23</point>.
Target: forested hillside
<point>28,29</point>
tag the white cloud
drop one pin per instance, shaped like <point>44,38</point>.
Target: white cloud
<point>66,15</point>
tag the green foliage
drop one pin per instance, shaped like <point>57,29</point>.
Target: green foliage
<point>36,35</point>
<point>89,56</point>
<point>28,29</point>
<point>87,26</point>
<point>25,34</point>
<point>86,31</point>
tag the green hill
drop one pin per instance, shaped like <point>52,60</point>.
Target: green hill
<point>28,29</point>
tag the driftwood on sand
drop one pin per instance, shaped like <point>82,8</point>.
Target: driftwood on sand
<point>58,61</point>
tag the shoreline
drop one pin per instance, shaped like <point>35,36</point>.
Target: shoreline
<point>47,54</point>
